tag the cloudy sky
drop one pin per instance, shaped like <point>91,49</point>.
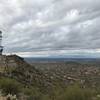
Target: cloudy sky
<point>51,27</point>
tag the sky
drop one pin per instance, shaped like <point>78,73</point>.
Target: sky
<point>47,28</point>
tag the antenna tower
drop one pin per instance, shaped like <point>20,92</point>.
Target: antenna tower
<point>1,47</point>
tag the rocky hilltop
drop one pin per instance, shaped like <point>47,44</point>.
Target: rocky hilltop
<point>10,62</point>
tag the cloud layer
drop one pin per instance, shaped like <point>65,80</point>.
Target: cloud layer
<point>50,27</point>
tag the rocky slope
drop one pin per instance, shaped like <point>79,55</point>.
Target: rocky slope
<point>71,72</point>
<point>49,74</point>
<point>15,67</point>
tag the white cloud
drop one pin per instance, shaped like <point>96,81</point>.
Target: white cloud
<point>46,27</point>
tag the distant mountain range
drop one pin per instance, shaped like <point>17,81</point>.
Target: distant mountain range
<point>49,59</point>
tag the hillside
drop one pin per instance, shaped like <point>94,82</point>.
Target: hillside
<point>46,80</point>
<point>49,74</point>
<point>87,74</point>
<point>15,67</point>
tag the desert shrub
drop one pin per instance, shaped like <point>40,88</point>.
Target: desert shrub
<point>32,93</point>
<point>76,93</point>
<point>73,92</point>
<point>9,86</point>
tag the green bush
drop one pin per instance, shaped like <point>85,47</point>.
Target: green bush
<point>76,93</point>
<point>32,93</point>
<point>9,86</point>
